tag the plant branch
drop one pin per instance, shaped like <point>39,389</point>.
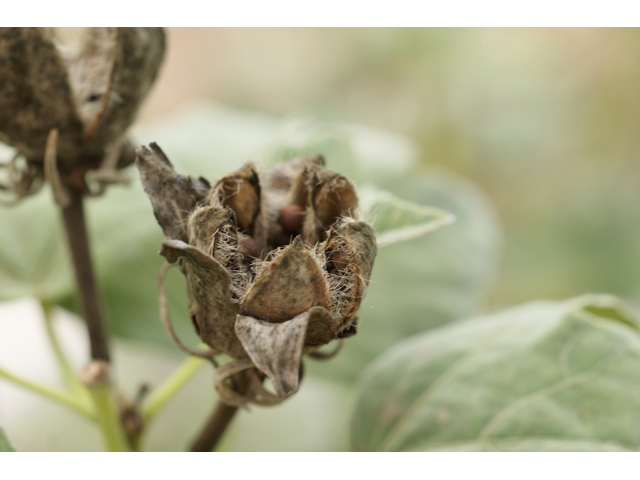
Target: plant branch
<point>68,374</point>
<point>96,378</point>
<point>214,429</point>
<point>60,397</point>
<point>88,298</point>
<point>165,392</point>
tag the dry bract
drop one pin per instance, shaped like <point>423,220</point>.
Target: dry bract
<point>277,263</point>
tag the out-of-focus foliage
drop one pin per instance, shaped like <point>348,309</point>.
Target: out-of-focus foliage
<point>5,446</point>
<point>396,220</point>
<point>33,261</point>
<point>542,376</point>
<point>544,122</point>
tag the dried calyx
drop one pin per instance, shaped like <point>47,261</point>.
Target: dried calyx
<point>277,263</point>
<point>66,106</point>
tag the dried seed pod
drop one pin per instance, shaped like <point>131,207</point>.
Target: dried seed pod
<point>90,94</point>
<point>258,292</point>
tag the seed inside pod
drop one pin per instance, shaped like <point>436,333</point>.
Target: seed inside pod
<point>248,247</point>
<point>291,218</point>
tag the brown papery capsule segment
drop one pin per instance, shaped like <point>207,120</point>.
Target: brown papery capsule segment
<point>338,260</point>
<point>291,218</point>
<point>289,285</point>
<point>334,198</point>
<point>282,238</point>
<point>241,193</point>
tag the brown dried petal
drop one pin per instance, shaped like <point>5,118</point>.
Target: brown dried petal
<point>289,285</point>
<point>211,309</point>
<point>173,196</point>
<point>276,349</point>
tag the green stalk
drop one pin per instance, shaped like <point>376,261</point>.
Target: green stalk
<point>96,378</point>
<point>161,395</point>
<point>68,374</point>
<point>60,397</point>
<point>108,419</point>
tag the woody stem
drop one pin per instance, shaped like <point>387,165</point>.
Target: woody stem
<point>87,293</point>
<point>214,429</point>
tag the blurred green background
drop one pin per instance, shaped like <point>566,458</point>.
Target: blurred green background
<point>545,121</point>
<point>529,136</point>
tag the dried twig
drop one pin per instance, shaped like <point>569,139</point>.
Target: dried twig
<point>214,429</point>
<point>88,297</point>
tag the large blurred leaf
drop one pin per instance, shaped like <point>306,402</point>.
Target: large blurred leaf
<point>396,220</point>
<point>363,154</point>
<point>33,259</point>
<point>5,446</point>
<point>543,376</point>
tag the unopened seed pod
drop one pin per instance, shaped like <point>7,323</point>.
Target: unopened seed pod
<point>88,95</point>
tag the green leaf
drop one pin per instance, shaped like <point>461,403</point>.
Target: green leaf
<point>396,220</point>
<point>363,154</point>
<point>5,446</point>
<point>33,256</point>
<point>210,140</point>
<point>542,376</point>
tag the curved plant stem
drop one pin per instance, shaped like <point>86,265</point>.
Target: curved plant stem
<point>97,379</point>
<point>88,298</point>
<point>165,392</point>
<point>68,374</point>
<point>108,418</point>
<point>60,397</point>
<point>214,429</point>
